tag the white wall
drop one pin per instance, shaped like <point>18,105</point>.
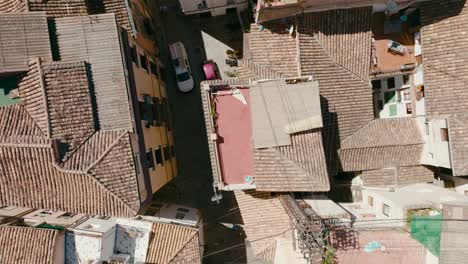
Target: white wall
<point>216,7</point>
<point>133,238</point>
<point>400,105</point>
<point>436,152</point>
<point>82,247</point>
<point>396,211</point>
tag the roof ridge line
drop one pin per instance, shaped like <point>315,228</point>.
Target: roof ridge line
<point>385,146</point>
<point>44,96</point>
<point>373,120</point>
<point>100,184</point>
<point>333,60</point>
<point>78,147</point>
<point>104,154</point>
<point>250,62</point>
<point>183,246</point>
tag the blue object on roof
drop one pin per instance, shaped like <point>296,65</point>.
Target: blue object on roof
<point>371,246</point>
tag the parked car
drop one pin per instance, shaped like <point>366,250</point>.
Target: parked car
<point>181,66</point>
<point>211,70</point>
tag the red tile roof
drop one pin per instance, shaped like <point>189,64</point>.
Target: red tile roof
<point>24,245</point>
<point>57,96</point>
<point>98,177</point>
<point>398,176</point>
<point>383,143</point>
<point>13,6</point>
<point>274,47</point>
<point>173,244</point>
<point>334,48</point>
<point>59,8</point>
<point>264,220</point>
<point>297,167</point>
<point>23,36</point>
<point>446,72</point>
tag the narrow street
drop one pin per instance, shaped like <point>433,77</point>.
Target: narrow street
<point>193,185</point>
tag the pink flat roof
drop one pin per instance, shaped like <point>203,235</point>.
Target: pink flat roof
<point>234,132</point>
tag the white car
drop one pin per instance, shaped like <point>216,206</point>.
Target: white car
<point>181,66</point>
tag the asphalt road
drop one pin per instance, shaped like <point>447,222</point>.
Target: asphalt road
<point>193,186</point>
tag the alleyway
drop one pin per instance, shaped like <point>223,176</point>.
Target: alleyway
<point>193,186</point>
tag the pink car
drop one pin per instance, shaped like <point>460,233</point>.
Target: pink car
<point>211,70</point>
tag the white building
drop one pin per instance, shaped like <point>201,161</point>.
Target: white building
<point>214,7</point>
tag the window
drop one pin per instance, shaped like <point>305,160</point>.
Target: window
<point>172,151</point>
<point>370,200</point>
<point>148,27</point>
<point>406,79</point>
<point>134,55</point>
<point>44,213</point>
<point>390,97</point>
<point>162,70</point>
<point>183,210</point>
<point>409,108</point>
<point>202,5</point>
<point>149,159</point>
<point>167,153</point>
<point>157,111</point>
<point>153,68</point>
<point>376,84</point>
<point>385,210</point>
<point>444,136</point>
<point>182,77</point>
<point>158,155</point>
<point>179,215</point>
<point>390,83</point>
<point>67,215</point>
<point>146,110</point>
<point>144,62</point>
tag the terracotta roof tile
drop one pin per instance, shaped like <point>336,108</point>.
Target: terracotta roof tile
<point>383,143</point>
<point>263,217</point>
<point>339,65</point>
<point>58,8</point>
<point>57,96</point>
<point>398,176</point>
<point>444,56</point>
<point>298,167</point>
<point>171,244</point>
<point>458,137</point>
<point>23,36</point>
<point>274,47</point>
<point>24,245</point>
<point>81,39</point>
<point>98,178</point>
<point>17,124</point>
<point>13,6</point>
<point>69,105</point>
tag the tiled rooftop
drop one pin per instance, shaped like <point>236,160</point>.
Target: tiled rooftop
<point>173,244</point>
<point>22,37</point>
<point>24,245</point>
<point>446,71</point>
<point>394,142</point>
<point>297,166</point>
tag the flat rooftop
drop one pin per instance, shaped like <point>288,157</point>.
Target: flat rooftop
<point>234,131</point>
<point>392,28</point>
